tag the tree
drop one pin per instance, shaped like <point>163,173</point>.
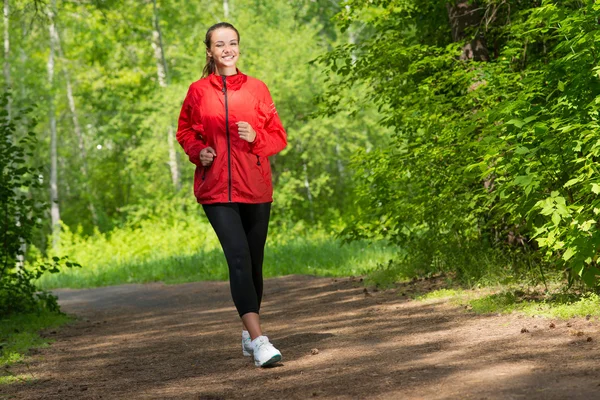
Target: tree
<point>19,215</point>
<point>490,147</point>
<point>162,73</point>
<point>54,206</point>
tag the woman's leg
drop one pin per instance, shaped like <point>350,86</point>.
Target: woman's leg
<point>255,219</point>
<point>235,232</point>
<point>227,223</point>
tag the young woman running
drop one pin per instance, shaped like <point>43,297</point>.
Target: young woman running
<point>228,127</point>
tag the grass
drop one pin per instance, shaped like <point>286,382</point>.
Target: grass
<point>183,250</point>
<point>558,306</point>
<point>19,334</point>
<point>316,254</point>
<point>507,300</point>
<point>442,294</point>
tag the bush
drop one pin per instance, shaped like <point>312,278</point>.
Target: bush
<point>500,154</point>
<point>19,216</point>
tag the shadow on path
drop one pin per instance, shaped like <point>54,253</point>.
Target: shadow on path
<point>338,342</point>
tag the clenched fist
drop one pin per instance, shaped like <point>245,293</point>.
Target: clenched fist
<point>246,131</point>
<point>207,156</point>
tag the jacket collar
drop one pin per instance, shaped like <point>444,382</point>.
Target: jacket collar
<point>234,82</point>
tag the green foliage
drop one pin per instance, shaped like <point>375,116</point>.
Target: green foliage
<point>441,294</point>
<point>510,300</point>
<point>125,114</point>
<point>558,306</point>
<point>187,250</point>
<point>486,156</point>
<point>19,333</point>
<point>19,215</point>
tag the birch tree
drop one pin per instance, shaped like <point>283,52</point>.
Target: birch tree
<point>54,207</point>
<point>226,9</point>
<point>76,125</point>
<point>162,74</point>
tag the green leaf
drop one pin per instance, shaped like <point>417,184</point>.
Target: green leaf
<point>568,254</point>
<point>561,86</point>
<point>590,276</point>
<point>523,180</point>
<point>516,122</point>
<point>522,150</point>
<point>540,129</point>
<point>572,182</point>
<point>556,218</point>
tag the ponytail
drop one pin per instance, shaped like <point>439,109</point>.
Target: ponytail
<point>210,66</point>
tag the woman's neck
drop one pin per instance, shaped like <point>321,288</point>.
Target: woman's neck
<point>228,71</point>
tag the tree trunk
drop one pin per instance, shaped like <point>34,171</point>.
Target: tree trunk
<point>157,45</point>
<point>77,127</point>
<point>54,208</point>
<point>465,15</point>
<point>7,79</point>
<point>338,156</point>
<point>308,193</point>
<point>22,60</point>
<point>352,40</point>
<point>163,82</point>
<point>8,87</point>
<point>226,9</point>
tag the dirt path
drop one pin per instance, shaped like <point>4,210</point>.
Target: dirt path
<point>182,342</point>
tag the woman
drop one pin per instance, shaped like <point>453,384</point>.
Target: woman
<point>228,127</point>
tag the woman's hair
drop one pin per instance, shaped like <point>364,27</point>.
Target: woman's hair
<point>210,66</point>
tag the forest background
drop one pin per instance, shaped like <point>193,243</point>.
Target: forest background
<point>433,137</point>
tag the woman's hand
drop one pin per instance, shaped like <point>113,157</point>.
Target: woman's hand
<point>246,131</point>
<point>207,156</point>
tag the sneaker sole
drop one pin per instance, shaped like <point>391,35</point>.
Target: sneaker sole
<point>271,361</point>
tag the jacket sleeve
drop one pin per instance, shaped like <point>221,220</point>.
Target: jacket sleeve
<point>189,128</point>
<point>271,138</point>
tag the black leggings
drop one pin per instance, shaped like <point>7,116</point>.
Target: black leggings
<point>242,231</point>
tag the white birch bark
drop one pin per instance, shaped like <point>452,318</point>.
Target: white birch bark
<point>7,79</point>
<point>226,9</point>
<point>54,207</point>
<point>308,192</point>
<point>163,82</point>
<point>76,127</point>
<point>8,86</point>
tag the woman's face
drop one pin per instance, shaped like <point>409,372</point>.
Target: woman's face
<point>224,48</point>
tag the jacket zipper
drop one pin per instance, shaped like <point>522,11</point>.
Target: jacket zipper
<point>227,131</point>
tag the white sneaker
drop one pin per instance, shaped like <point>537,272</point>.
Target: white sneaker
<point>246,344</point>
<point>264,352</point>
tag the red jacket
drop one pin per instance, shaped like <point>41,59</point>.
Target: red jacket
<point>240,172</point>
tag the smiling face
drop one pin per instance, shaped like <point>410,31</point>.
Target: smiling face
<point>224,50</point>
